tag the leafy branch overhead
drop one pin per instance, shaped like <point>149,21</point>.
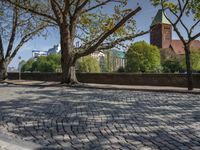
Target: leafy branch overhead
<point>16,28</point>
<point>87,21</point>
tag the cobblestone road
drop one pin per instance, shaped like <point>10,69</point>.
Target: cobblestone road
<point>77,118</point>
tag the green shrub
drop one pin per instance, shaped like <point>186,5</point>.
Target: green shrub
<point>171,65</point>
<point>43,64</point>
<point>142,57</point>
<point>195,60</point>
<point>89,64</point>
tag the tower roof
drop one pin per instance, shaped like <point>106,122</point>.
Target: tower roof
<point>160,18</point>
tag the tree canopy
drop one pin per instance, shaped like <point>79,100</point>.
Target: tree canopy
<point>89,64</point>
<point>87,22</point>
<point>50,63</point>
<point>171,65</point>
<point>16,28</point>
<point>142,57</point>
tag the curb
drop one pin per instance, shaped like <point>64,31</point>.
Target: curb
<point>108,87</point>
<point>117,87</point>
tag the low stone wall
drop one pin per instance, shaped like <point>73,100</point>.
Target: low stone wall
<point>177,80</point>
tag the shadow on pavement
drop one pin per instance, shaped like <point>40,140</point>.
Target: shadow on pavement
<point>78,118</point>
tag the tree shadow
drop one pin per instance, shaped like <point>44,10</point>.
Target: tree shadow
<point>78,118</point>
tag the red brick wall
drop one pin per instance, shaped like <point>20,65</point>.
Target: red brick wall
<point>161,35</point>
<point>166,35</point>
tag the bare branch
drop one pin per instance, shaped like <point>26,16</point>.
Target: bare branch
<point>193,26</point>
<point>24,39</point>
<point>179,19</point>
<point>75,16</point>
<point>66,7</point>
<point>179,4</point>
<point>57,12</point>
<point>57,5</point>
<point>32,10</point>
<point>173,24</point>
<point>181,11</point>
<point>194,37</point>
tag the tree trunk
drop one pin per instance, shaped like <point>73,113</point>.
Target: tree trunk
<point>188,66</point>
<point>67,58</point>
<point>3,71</point>
<point>68,73</point>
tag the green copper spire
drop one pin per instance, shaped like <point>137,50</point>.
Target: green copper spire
<point>160,18</point>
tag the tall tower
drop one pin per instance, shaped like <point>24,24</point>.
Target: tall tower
<point>161,31</point>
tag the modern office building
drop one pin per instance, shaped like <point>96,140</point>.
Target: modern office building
<point>38,53</point>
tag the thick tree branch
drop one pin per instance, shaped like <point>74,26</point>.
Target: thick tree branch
<point>13,32</point>
<point>89,43</point>
<point>66,7</point>
<point>1,49</point>
<point>118,41</point>
<point>194,37</point>
<point>57,12</point>
<point>75,16</point>
<point>180,20</point>
<point>108,33</point>
<point>58,6</point>
<point>173,24</point>
<point>193,26</point>
<point>182,10</point>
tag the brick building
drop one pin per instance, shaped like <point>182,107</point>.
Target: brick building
<point>161,36</point>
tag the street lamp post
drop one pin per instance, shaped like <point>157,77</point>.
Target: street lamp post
<point>19,68</point>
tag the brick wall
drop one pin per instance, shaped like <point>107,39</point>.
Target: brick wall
<point>178,80</point>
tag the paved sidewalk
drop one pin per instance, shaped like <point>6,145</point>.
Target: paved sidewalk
<point>74,118</point>
<point>107,86</point>
<point>14,143</point>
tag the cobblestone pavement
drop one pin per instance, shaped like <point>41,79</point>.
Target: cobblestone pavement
<point>80,118</point>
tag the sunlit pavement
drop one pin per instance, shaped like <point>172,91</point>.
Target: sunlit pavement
<point>81,118</point>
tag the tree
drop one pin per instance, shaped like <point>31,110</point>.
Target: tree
<point>28,66</point>
<point>171,65</point>
<point>43,64</point>
<point>142,57</point>
<point>89,64</point>
<point>16,28</point>
<point>195,60</point>
<point>178,10</point>
<point>84,21</point>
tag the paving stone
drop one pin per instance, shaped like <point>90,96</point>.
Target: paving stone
<point>74,118</point>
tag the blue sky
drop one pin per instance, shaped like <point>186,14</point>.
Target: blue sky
<point>143,19</point>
